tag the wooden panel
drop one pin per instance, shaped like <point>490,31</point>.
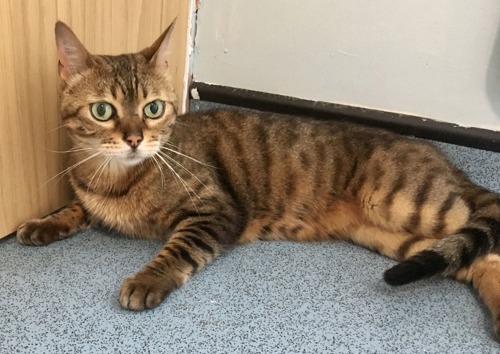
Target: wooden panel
<point>28,112</point>
<point>29,119</point>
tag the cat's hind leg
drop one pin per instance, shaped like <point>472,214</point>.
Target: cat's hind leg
<point>484,274</point>
<point>54,227</point>
<point>398,245</point>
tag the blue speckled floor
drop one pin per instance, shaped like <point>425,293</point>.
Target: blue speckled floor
<point>276,297</point>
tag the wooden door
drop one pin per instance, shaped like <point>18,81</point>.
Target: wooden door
<point>30,127</point>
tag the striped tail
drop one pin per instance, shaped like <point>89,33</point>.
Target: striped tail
<point>479,237</point>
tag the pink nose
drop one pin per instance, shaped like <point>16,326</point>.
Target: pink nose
<point>133,140</point>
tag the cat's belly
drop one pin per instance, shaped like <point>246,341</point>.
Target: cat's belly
<point>333,222</point>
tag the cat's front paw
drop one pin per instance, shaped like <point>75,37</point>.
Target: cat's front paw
<point>144,291</point>
<point>40,232</point>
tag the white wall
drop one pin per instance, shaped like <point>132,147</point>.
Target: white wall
<point>432,58</point>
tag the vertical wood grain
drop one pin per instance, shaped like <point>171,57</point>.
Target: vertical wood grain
<point>28,113</point>
<point>29,119</point>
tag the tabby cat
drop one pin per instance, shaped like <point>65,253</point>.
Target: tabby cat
<point>206,182</point>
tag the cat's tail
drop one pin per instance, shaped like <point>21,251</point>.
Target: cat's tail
<point>479,236</point>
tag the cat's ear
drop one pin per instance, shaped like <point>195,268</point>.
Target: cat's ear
<point>72,55</point>
<point>160,51</point>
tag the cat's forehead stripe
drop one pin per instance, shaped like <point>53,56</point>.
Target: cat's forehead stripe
<point>123,68</point>
<point>127,78</point>
<point>135,82</point>
<point>113,91</point>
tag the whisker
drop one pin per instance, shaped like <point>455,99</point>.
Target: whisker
<point>102,165</point>
<point>185,169</point>
<point>56,128</point>
<point>161,171</point>
<point>186,156</point>
<point>69,169</point>
<point>75,148</point>
<point>108,161</point>
<point>184,184</point>
<point>68,151</point>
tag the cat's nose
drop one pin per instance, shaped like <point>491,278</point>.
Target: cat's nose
<point>134,140</point>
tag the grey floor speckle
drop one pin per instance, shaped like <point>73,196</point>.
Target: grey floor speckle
<point>268,297</point>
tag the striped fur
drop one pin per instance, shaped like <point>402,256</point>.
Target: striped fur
<point>206,182</point>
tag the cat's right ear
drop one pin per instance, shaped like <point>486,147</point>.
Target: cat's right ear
<point>72,55</point>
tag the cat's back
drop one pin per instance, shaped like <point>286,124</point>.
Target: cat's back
<point>278,146</point>
<point>282,129</point>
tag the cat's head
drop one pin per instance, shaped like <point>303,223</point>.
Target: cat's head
<point>120,107</point>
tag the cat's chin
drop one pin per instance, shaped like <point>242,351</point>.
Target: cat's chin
<point>132,160</point>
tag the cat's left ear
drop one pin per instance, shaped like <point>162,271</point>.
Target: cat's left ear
<point>160,51</point>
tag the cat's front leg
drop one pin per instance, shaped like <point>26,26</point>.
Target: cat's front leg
<point>54,227</point>
<point>195,242</point>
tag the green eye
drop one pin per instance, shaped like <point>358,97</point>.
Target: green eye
<point>102,111</point>
<point>154,109</point>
